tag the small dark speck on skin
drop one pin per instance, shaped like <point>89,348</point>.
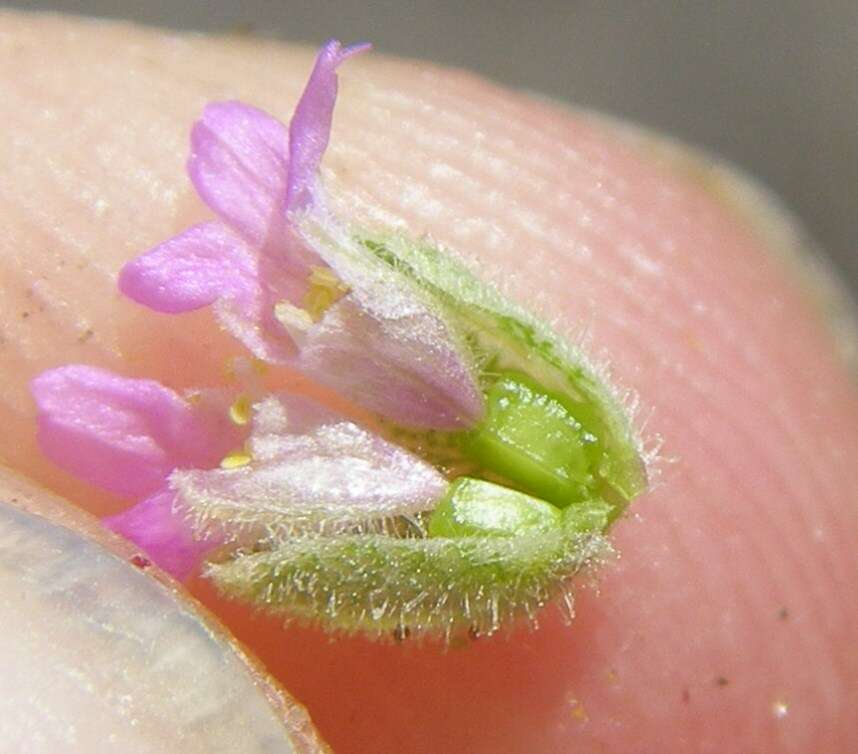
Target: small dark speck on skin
<point>686,696</point>
<point>25,315</point>
<point>140,561</point>
<point>721,681</point>
<point>783,614</point>
<point>85,335</point>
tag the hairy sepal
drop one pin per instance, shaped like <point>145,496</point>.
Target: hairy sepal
<point>505,338</point>
<point>427,588</point>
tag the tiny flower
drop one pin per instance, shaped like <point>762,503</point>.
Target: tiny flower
<point>494,458</point>
<point>302,468</point>
<point>324,309</point>
<point>309,472</point>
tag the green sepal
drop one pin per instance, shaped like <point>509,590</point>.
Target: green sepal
<point>553,428</point>
<point>505,338</point>
<point>437,587</point>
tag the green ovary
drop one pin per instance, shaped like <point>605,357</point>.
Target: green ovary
<point>588,517</point>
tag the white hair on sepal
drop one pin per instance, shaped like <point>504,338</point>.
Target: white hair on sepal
<point>242,528</point>
<point>421,588</point>
<point>649,445</point>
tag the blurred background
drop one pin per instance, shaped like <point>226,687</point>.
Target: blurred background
<point>771,85</point>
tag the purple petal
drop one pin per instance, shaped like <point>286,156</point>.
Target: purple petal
<point>310,127</point>
<point>239,166</point>
<point>405,367</point>
<point>163,532</point>
<point>332,476</point>
<point>386,344</point>
<point>124,435</point>
<point>194,269</point>
<point>208,264</point>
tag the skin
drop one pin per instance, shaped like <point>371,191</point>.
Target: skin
<point>727,625</point>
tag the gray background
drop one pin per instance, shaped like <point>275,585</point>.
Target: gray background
<point>768,84</point>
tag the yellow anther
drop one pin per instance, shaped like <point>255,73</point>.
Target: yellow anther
<point>240,411</point>
<point>323,291</point>
<point>236,459</point>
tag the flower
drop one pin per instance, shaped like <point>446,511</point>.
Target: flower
<point>495,455</point>
<point>304,468</point>
<point>290,282</point>
<point>308,472</point>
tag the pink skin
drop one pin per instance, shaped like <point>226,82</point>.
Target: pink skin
<point>675,279</point>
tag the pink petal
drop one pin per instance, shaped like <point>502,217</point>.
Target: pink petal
<point>386,344</point>
<point>310,127</point>
<point>405,367</point>
<point>208,264</point>
<point>194,269</point>
<point>239,166</point>
<point>163,532</point>
<point>124,435</point>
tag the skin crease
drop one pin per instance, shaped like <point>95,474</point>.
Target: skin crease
<point>726,625</point>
